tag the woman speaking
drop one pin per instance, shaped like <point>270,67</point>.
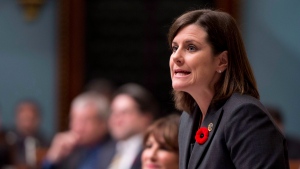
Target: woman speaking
<point>223,124</point>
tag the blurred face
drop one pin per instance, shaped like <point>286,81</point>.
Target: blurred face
<point>156,156</point>
<point>126,119</point>
<point>87,124</point>
<point>27,119</point>
<point>192,63</point>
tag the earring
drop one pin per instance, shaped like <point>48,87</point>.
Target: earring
<point>220,71</point>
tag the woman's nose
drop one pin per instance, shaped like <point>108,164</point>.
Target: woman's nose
<point>177,57</point>
<point>152,154</point>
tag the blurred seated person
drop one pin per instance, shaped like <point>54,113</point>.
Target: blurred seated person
<point>293,143</point>
<point>161,144</point>
<point>133,109</point>
<point>26,136</point>
<point>87,144</point>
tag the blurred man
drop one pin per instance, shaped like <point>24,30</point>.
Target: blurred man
<point>27,118</point>
<point>26,136</point>
<point>87,144</point>
<point>132,110</point>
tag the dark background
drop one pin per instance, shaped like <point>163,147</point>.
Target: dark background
<point>126,41</point>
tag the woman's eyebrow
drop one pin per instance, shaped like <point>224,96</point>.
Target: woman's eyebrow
<point>192,41</point>
<point>188,41</point>
<point>174,43</point>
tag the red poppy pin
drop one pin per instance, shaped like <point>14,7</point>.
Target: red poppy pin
<point>202,135</point>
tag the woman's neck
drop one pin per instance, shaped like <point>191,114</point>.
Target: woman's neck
<point>203,100</point>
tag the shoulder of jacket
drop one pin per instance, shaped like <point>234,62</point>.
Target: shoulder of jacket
<point>241,100</point>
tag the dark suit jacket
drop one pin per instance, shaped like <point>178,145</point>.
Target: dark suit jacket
<point>293,145</point>
<point>243,137</point>
<point>6,155</point>
<point>137,163</point>
<point>74,160</point>
<point>19,145</point>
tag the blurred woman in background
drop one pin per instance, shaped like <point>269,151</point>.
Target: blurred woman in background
<point>161,144</point>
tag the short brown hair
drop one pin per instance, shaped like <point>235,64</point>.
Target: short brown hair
<point>223,34</point>
<point>145,100</point>
<point>165,132</point>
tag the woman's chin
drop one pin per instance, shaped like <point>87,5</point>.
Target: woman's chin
<point>178,87</point>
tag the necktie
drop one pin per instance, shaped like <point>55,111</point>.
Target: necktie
<point>115,161</point>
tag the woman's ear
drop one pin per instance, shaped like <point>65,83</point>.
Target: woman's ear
<point>223,61</point>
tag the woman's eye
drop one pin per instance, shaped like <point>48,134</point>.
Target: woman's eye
<point>148,146</point>
<point>174,48</point>
<point>165,148</point>
<point>191,48</point>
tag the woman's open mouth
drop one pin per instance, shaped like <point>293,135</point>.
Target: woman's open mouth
<point>180,72</point>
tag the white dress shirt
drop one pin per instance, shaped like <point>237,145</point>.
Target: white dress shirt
<point>127,151</point>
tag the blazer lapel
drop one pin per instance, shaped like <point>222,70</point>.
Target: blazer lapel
<point>186,127</point>
<point>199,151</point>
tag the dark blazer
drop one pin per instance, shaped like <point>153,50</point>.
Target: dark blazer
<point>74,160</point>
<point>293,145</point>
<point>243,137</point>
<point>19,144</point>
<point>137,163</point>
<point>6,155</point>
